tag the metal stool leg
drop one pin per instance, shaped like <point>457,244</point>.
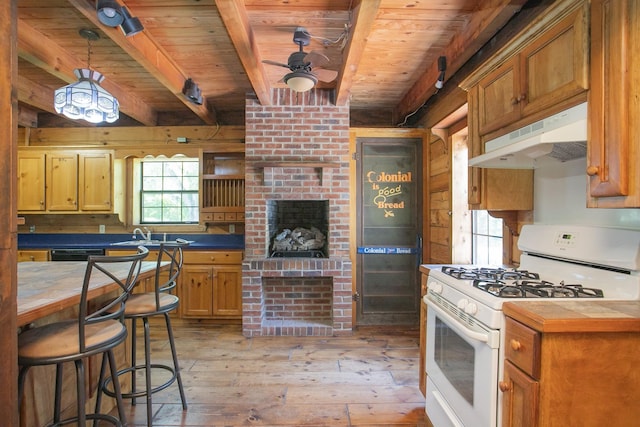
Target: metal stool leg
<point>133,360</point>
<point>147,361</point>
<point>176,367</point>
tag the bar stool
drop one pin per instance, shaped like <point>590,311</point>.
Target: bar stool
<point>97,330</point>
<point>143,306</point>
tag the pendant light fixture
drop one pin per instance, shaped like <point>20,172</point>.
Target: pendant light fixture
<point>86,99</point>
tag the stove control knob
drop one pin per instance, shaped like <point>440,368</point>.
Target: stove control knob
<point>435,287</point>
<point>471,308</point>
<point>462,304</point>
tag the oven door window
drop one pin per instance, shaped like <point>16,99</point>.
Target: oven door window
<point>455,357</point>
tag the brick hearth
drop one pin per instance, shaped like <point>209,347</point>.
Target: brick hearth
<point>296,149</point>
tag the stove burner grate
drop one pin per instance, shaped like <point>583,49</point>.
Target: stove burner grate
<point>533,289</point>
<point>487,273</point>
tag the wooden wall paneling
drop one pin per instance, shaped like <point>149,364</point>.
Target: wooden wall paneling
<point>8,213</point>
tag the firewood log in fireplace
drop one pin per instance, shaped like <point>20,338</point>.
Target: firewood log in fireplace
<point>300,239</point>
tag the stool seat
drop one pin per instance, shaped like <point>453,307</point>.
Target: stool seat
<point>60,341</point>
<point>145,304</point>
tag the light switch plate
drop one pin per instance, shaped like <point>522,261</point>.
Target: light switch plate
<point>101,228</point>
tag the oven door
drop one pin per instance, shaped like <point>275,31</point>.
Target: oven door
<point>462,367</point>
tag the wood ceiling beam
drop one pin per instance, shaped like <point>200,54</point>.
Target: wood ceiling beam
<point>235,18</point>
<point>364,15</point>
<point>490,16</point>
<point>35,94</point>
<point>150,55</point>
<point>27,117</point>
<point>41,51</point>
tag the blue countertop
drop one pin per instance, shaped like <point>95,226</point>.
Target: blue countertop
<point>104,241</point>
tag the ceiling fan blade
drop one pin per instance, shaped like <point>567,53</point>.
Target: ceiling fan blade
<point>316,59</point>
<point>279,64</point>
<point>325,75</point>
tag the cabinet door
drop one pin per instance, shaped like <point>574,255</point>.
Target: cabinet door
<point>33,255</point>
<point>613,144</point>
<point>196,294</point>
<point>62,181</point>
<point>498,98</point>
<point>227,291</point>
<point>95,181</point>
<point>31,181</point>
<point>520,398</point>
<point>555,65</point>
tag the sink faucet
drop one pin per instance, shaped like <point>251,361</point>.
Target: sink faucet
<point>139,231</point>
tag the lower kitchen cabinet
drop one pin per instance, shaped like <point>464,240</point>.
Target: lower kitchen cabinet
<point>34,255</point>
<point>211,285</point>
<point>561,374</point>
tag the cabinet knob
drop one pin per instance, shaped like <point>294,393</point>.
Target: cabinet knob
<point>504,386</point>
<point>514,101</point>
<point>515,345</point>
<point>522,97</point>
<point>592,170</point>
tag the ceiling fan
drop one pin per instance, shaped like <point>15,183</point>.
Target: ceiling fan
<point>306,67</point>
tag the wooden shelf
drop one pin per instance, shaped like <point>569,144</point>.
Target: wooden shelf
<point>270,164</point>
<point>295,164</point>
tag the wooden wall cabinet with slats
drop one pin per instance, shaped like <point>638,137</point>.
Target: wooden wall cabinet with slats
<point>222,187</point>
<point>542,71</point>
<point>63,181</point>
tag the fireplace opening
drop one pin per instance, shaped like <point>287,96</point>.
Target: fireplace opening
<point>298,228</point>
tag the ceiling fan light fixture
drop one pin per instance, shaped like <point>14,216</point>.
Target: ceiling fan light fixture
<point>131,25</point>
<point>86,99</point>
<point>109,12</point>
<point>300,81</point>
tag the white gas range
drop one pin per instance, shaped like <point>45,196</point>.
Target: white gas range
<point>465,348</point>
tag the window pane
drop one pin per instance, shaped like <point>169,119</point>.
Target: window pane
<point>487,239</point>
<point>169,191</point>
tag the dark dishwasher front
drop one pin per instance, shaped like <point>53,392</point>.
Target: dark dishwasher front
<point>74,254</point>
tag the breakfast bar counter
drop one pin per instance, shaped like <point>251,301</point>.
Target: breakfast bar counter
<point>47,288</point>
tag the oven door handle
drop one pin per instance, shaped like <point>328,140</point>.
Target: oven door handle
<point>453,321</point>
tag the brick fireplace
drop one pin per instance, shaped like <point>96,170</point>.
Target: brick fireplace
<point>297,149</point>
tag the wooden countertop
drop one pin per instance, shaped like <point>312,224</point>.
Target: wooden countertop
<point>45,288</point>
<point>576,315</point>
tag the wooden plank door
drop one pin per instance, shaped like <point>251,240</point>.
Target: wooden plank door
<point>388,231</point>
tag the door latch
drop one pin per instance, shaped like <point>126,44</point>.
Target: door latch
<point>355,297</point>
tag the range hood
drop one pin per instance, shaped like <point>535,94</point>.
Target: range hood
<point>552,140</point>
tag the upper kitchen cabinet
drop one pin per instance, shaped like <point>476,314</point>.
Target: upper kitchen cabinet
<point>613,151</point>
<point>222,187</point>
<point>545,66</point>
<point>542,71</point>
<point>62,181</point>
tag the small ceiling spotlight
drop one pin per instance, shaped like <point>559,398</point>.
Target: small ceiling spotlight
<point>442,67</point>
<point>192,91</point>
<point>109,12</point>
<point>130,24</point>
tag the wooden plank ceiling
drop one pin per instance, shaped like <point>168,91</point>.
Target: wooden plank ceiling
<point>385,52</point>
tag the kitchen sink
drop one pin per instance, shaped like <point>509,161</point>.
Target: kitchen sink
<point>145,242</point>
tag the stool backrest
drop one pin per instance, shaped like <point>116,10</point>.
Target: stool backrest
<point>166,280</point>
<point>122,270</point>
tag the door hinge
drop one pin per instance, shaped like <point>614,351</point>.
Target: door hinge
<point>355,297</point>
<point>355,156</point>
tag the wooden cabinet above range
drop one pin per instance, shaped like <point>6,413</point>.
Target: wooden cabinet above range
<point>542,71</point>
<point>64,181</point>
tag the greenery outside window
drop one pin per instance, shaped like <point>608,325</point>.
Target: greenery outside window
<point>487,239</point>
<point>169,191</point>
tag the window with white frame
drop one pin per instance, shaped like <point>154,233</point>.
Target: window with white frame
<point>487,239</point>
<point>168,191</point>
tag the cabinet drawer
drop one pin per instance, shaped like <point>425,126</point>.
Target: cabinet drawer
<point>213,257</point>
<point>522,347</point>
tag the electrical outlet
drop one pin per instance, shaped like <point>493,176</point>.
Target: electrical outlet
<point>102,228</point>
<point>232,228</point>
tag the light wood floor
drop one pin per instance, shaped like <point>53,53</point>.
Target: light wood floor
<point>368,379</point>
